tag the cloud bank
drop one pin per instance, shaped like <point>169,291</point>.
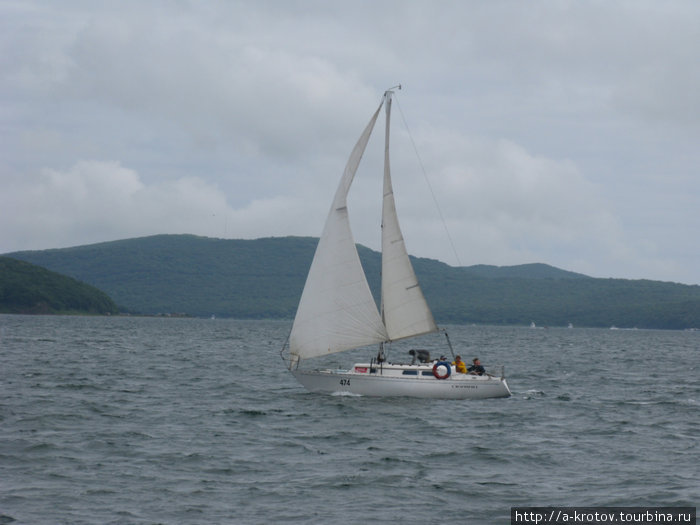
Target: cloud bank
<point>563,134</point>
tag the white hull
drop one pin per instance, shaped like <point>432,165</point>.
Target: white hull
<point>389,381</point>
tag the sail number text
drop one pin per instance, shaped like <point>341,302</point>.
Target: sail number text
<point>345,382</point>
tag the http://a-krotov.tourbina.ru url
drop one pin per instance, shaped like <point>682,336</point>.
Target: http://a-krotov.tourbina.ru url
<point>597,515</point>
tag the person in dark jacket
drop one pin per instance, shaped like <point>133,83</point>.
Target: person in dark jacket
<point>476,368</point>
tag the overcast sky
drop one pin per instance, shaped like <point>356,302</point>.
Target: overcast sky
<point>562,132</point>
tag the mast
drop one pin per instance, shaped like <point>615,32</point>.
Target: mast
<point>387,169</point>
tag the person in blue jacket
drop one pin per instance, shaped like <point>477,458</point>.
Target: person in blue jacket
<point>476,368</point>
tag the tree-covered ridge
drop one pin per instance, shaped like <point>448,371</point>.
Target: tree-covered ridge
<point>263,278</point>
<point>27,288</point>
<point>188,274</point>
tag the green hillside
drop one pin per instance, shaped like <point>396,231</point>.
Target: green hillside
<point>188,274</point>
<point>263,278</point>
<point>29,289</point>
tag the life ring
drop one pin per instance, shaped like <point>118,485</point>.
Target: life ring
<point>437,374</point>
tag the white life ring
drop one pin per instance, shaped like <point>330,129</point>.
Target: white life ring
<point>436,371</point>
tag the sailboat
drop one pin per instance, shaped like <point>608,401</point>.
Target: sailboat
<point>337,311</point>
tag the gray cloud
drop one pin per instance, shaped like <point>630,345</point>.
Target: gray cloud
<point>562,133</point>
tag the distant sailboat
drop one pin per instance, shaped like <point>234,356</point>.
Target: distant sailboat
<point>337,311</point>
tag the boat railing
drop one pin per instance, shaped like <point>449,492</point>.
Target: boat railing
<point>495,371</point>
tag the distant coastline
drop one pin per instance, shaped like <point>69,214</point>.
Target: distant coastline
<point>187,275</point>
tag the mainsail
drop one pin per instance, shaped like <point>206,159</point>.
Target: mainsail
<point>404,309</point>
<point>337,311</point>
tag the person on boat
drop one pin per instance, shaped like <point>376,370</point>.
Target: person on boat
<point>476,368</point>
<point>459,365</point>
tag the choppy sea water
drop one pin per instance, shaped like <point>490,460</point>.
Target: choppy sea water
<point>177,421</point>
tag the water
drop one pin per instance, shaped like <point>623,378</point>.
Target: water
<point>137,420</point>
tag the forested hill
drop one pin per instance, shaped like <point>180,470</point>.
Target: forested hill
<point>29,289</point>
<point>263,278</point>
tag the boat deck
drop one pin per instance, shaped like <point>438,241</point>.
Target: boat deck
<point>421,370</point>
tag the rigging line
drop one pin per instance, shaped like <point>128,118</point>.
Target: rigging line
<point>425,176</point>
